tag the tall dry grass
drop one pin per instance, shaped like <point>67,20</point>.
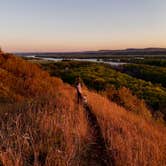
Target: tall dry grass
<point>131,140</point>
<point>45,132</point>
<point>130,102</point>
<point>40,122</point>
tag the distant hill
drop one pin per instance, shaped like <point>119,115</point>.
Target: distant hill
<point>99,54</point>
<point>136,51</point>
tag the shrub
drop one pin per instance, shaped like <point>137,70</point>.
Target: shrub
<point>125,98</point>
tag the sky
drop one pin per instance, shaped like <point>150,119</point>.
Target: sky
<point>76,25</point>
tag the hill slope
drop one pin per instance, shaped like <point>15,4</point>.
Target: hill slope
<point>42,124</point>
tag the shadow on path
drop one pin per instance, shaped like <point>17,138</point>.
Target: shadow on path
<point>97,152</point>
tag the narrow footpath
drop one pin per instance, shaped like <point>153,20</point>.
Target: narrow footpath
<point>97,152</point>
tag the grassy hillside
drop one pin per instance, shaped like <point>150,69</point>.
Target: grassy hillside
<point>130,139</point>
<point>42,124</point>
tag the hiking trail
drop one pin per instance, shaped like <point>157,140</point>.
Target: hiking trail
<point>97,154</point>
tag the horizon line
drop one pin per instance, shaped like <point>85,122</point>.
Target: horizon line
<point>82,51</point>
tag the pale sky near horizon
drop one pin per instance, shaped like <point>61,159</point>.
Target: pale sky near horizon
<point>73,25</point>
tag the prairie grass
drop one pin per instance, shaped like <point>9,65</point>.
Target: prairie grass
<point>41,124</point>
<point>49,133</point>
<point>131,140</point>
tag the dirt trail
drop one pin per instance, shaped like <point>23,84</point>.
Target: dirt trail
<point>97,152</point>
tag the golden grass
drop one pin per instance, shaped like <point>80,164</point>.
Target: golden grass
<point>55,131</point>
<point>131,140</point>
<point>44,124</point>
